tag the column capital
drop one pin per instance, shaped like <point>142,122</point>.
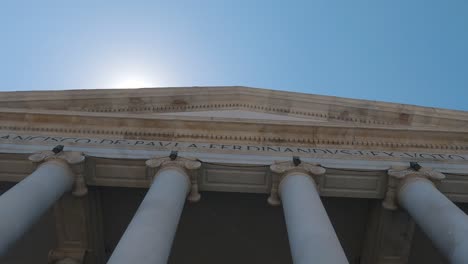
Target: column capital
<point>70,157</point>
<point>400,172</point>
<point>187,165</point>
<point>285,168</point>
<point>399,176</point>
<point>75,161</point>
<point>180,162</point>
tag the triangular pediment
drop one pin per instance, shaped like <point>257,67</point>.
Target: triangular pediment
<point>235,103</point>
<point>238,114</point>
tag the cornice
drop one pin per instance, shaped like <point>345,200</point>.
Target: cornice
<point>69,117</point>
<point>263,100</point>
<point>144,120</point>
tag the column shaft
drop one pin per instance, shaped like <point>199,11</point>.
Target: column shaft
<point>311,235</point>
<point>149,236</point>
<point>442,221</point>
<point>24,203</point>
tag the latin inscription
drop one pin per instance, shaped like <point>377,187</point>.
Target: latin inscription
<point>187,146</point>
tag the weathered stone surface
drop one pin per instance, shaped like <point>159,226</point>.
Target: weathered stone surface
<point>232,135</point>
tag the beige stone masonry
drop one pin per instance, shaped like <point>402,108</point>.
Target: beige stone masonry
<point>74,159</point>
<point>283,169</point>
<point>400,176</point>
<point>189,167</point>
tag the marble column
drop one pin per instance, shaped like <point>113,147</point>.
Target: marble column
<point>311,235</point>
<point>27,201</point>
<point>442,221</point>
<point>148,238</point>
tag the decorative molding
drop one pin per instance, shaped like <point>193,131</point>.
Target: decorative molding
<point>74,159</point>
<point>70,157</point>
<point>152,108</point>
<point>347,178</point>
<point>283,169</point>
<point>288,166</point>
<point>325,141</point>
<point>399,176</point>
<point>188,165</point>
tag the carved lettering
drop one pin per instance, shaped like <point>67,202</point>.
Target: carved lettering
<point>456,157</point>
<point>171,145</point>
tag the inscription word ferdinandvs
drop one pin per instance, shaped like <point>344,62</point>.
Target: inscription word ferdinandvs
<point>192,146</point>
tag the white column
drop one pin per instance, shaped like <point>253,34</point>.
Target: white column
<point>148,238</point>
<point>27,201</point>
<point>311,235</point>
<point>442,221</point>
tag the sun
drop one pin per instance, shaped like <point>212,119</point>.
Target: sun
<point>132,82</point>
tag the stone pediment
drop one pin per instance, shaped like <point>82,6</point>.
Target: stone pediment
<point>233,114</point>
<point>236,102</point>
<point>239,114</point>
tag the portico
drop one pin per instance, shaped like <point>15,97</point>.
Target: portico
<point>343,181</point>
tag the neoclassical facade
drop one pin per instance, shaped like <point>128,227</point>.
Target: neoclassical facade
<point>229,175</point>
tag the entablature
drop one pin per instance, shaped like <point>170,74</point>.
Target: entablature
<point>288,104</point>
<point>362,175</point>
<point>229,131</point>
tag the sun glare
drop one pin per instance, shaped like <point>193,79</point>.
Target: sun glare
<point>133,82</point>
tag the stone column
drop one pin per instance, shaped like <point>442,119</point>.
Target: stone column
<point>27,201</point>
<point>442,221</point>
<point>311,235</point>
<point>148,238</point>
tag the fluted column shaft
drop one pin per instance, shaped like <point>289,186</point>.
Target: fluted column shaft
<point>148,238</point>
<point>311,235</point>
<point>442,221</point>
<point>27,201</point>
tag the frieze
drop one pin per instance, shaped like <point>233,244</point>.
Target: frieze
<point>310,151</point>
<point>162,135</point>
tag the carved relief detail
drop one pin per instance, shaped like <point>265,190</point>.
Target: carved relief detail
<point>71,157</point>
<point>402,172</point>
<point>282,169</point>
<point>190,167</point>
<point>74,159</point>
<point>137,133</point>
<point>399,175</point>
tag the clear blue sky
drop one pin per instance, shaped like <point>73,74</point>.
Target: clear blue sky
<point>406,51</point>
